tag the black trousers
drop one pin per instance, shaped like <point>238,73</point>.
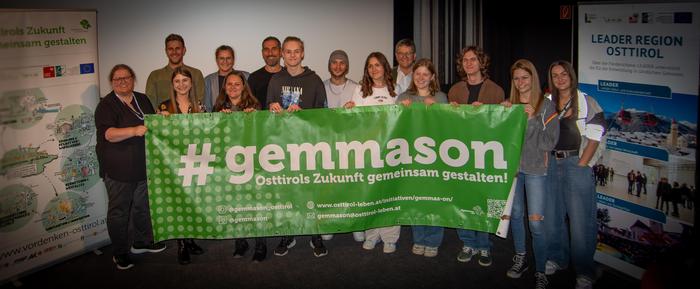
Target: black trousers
<point>128,202</point>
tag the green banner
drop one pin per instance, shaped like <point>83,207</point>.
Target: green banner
<point>216,175</point>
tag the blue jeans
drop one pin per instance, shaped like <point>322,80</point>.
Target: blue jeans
<point>533,187</point>
<point>572,193</point>
<point>475,239</point>
<point>428,236</point>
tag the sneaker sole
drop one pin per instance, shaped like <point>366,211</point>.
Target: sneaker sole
<point>514,275</point>
<point>121,267</point>
<point>141,251</point>
<point>464,260</point>
<point>292,244</point>
<point>484,264</point>
<point>311,243</point>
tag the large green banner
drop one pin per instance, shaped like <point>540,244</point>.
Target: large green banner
<point>216,175</point>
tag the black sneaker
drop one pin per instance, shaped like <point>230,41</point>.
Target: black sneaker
<point>484,258</point>
<point>193,248</point>
<point>519,266</point>
<point>122,261</point>
<point>150,248</point>
<point>284,245</point>
<point>183,254</point>
<point>541,280</point>
<point>260,252</point>
<point>241,248</point>
<point>317,244</point>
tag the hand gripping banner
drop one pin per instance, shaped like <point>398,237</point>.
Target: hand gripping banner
<point>217,176</point>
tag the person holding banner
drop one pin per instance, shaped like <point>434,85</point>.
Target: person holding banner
<point>425,89</point>
<point>121,153</point>
<point>541,135</point>
<point>339,90</point>
<point>183,100</point>
<point>294,88</point>
<point>377,88</point>
<point>237,96</point>
<point>476,89</point>
<point>572,191</point>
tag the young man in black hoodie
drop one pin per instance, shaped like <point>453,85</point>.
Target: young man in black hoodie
<point>294,88</point>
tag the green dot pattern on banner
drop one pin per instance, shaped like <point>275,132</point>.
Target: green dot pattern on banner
<point>18,204</point>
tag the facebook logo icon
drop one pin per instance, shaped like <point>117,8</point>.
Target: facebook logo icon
<point>87,68</point>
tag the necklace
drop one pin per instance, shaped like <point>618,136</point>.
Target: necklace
<point>138,114</point>
<point>341,90</point>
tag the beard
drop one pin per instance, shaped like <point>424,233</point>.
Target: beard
<point>272,61</point>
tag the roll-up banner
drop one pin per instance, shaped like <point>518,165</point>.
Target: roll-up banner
<point>52,201</point>
<point>640,62</point>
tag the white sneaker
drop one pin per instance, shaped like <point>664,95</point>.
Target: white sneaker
<point>418,249</point>
<point>358,236</point>
<point>431,252</point>
<point>583,283</point>
<point>327,237</point>
<point>551,267</point>
<point>389,248</point>
<point>369,244</point>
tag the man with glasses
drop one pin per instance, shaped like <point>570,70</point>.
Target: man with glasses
<point>159,83</point>
<point>405,52</point>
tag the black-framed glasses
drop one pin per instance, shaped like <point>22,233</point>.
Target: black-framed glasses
<point>122,79</point>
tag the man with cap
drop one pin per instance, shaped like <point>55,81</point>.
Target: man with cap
<point>338,88</point>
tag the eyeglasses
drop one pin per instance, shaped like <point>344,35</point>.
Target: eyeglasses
<point>406,54</point>
<point>121,79</point>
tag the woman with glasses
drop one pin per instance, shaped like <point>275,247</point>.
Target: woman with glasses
<point>121,152</point>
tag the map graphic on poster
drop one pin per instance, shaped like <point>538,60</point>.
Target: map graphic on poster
<point>52,201</point>
<point>640,62</point>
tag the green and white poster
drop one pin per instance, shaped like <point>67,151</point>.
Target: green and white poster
<point>52,201</point>
<point>216,175</point>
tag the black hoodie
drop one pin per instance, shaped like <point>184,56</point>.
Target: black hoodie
<point>305,90</point>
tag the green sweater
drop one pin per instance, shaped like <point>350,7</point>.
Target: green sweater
<point>159,84</point>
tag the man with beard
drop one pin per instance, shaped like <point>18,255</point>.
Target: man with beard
<point>339,88</point>
<point>258,80</point>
